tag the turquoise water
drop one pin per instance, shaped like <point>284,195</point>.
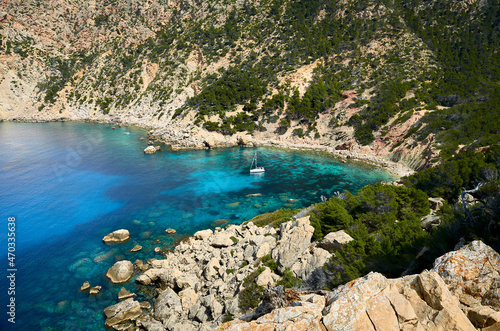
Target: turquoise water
<point>69,184</point>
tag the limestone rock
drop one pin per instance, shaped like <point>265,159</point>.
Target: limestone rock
<point>203,234</point>
<point>310,263</point>
<point>95,290</point>
<point>120,272</point>
<point>150,150</point>
<point>125,294</point>
<point>430,221</point>
<point>265,279</point>
<point>85,286</point>
<point>123,311</point>
<point>277,316</point>
<point>409,303</point>
<point>436,203</point>
<point>295,238</point>
<point>335,240</point>
<point>188,298</point>
<point>472,273</point>
<point>222,240</point>
<point>117,236</point>
<point>170,231</point>
<point>149,276</point>
<point>167,304</point>
<point>136,248</point>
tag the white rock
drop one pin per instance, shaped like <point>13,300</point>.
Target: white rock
<point>335,240</point>
<point>203,234</point>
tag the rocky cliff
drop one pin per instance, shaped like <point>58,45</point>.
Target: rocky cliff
<point>354,76</point>
<point>213,277</point>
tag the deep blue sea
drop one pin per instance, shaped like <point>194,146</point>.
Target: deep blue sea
<point>69,184</point>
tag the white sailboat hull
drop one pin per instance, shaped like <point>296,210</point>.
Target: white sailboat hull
<point>257,170</point>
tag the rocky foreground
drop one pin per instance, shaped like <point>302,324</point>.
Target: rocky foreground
<point>200,281</point>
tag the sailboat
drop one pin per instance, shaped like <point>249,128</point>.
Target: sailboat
<point>256,169</point>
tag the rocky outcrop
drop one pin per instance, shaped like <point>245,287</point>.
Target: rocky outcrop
<point>427,301</point>
<point>473,275</point>
<point>335,240</point>
<point>295,238</point>
<point>120,272</point>
<point>124,311</point>
<point>118,236</point>
<point>199,282</point>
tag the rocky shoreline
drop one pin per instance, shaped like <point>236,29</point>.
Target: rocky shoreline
<point>208,281</point>
<point>397,169</point>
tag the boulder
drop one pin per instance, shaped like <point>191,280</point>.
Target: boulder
<point>472,273</point>
<point>188,298</point>
<point>126,310</point>
<point>335,240</point>
<point>203,234</point>
<point>310,263</point>
<point>265,279</point>
<point>170,231</point>
<point>150,150</point>
<point>222,240</point>
<point>136,248</point>
<point>117,236</point>
<point>430,221</point>
<point>295,238</point>
<point>167,304</point>
<point>408,303</point>
<point>120,272</point>
<point>213,307</point>
<point>85,286</point>
<point>95,290</point>
<point>436,203</point>
<point>125,294</point>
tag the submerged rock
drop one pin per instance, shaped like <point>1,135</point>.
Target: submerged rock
<point>136,248</point>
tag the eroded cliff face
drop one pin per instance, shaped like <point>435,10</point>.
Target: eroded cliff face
<point>136,62</point>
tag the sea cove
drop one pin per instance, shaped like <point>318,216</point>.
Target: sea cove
<point>69,184</point>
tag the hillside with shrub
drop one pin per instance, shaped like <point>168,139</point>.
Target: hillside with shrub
<point>422,77</point>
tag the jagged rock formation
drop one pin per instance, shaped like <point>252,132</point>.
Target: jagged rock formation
<point>209,276</point>
<point>427,301</point>
<point>203,276</point>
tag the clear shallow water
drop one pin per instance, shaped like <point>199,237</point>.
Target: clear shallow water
<point>69,184</point>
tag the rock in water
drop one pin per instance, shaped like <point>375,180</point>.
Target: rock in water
<point>125,294</point>
<point>117,236</point>
<point>170,231</point>
<point>150,150</point>
<point>120,272</point>
<point>95,290</point>
<point>85,286</point>
<point>136,248</point>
